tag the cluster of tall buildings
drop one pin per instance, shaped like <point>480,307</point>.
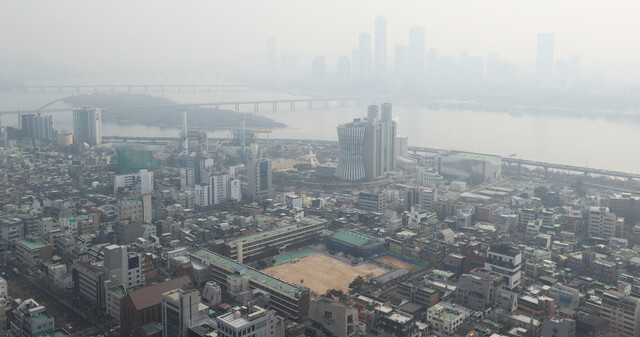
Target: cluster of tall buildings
<point>367,147</point>
<point>37,127</point>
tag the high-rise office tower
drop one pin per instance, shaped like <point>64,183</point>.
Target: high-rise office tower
<point>416,50</point>
<point>380,47</point>
<point>400,60</point>
<point>271,56</point>
<point>351,143</point>
<point>364,55</point>
<point>367,148</point>
<point>544,59</point>
<point>259,178</point>
<point>87,125</point>
<point>179,309</point>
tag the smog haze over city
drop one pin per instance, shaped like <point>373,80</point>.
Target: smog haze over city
<point>319,168</point>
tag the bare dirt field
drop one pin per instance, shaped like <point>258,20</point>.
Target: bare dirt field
<point>321,272</point>
<point>397,263</point>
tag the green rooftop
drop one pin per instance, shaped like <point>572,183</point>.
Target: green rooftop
<point>33,244</point>
<point>257,276</point>
<point>273,232</point>
<point>152,328</point>
<point>354,238</point>
<point>42,316</point>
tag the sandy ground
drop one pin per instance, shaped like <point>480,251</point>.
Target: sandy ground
<point>396,263</point>
<point>321,272</point>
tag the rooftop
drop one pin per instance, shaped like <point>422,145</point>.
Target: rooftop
<point>33,244</point>
<point>355,238</point>
<point>249,238</point>
<point>152,328</point>
<point>256,276</point>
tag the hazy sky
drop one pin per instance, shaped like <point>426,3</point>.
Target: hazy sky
<point>107,35</point>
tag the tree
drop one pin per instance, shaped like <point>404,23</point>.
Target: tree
<point>336,294</point>
<point>262,264</point>
<point>357,285</point>
<point>540,192</point>
<point>524,195</point>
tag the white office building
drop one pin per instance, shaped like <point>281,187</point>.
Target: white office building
<point>506,261</point>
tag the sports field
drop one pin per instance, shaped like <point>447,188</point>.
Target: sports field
<point>321,272</point>
<point>397,263</point>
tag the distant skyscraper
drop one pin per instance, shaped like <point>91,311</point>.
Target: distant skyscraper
<point>271,56</point>
<point>317,68</point>
<point>400,60</point>
<point>37,127</point>
<point>380,47</point>
<point>416,50</point>
<point>544,59</point>
<point>367,149</point>
<point>364,55</point>
<point>87,125</point>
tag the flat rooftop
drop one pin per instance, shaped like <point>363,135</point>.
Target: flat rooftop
<point>257,276</point>
<point>33,244</point>
<point>253,237</point>
<point>355,238</point>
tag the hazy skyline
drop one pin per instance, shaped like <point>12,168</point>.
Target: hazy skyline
<point>121,35</point>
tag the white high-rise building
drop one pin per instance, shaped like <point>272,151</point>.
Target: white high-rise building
<point>351,142</point>
<point>367,149</point>
<point>123,265</point>
<point>218,189</point>
<point>380,47</point>
<point>142,181</point>
<point>602,223</point>
<point>202,198</point>
<point>506,261</point>
<point>87,125</point>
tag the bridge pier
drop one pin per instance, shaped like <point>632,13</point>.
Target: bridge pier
<point>326,104</point>
<point>309,105</point>
<point>77,89</point>
<point>217,106</point>
<point>194,88</point>
<point>237,107</point>
<point>255,107</point>
<point>113,89</point>
<point>342,102</point>
<point>146,88</point>
<point>275,106</point>
<point>293,106</point>
<point>179,88</point>
<point>95,88</point>
<point>60,89</point>
<point>129,88</point>
<point>162,88</point>
<point>209,88</point>
<point>41,89</point>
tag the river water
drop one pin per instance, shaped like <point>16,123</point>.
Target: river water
<point>596,143</point>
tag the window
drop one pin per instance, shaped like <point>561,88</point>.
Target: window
<point>328,314</point>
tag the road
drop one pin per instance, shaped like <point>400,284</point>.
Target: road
<point>21,286</point>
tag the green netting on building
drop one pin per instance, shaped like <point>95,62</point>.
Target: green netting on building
<point>132,160</point>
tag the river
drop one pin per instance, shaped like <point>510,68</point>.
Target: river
<point>596,143</point>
